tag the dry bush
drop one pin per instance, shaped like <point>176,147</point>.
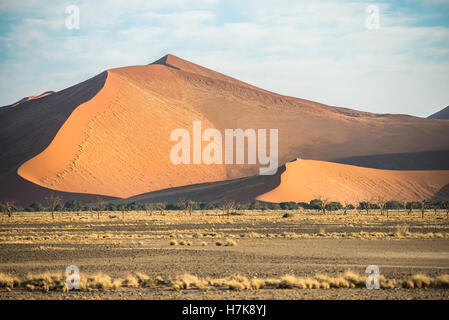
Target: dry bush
<point>131,282</point>
<point>173,243</point>
<point>230,243</point>
<point>402,231</point>
<point>7,281</point>
<point>219,243</point>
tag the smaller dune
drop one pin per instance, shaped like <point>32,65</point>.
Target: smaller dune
<point>305,180</point>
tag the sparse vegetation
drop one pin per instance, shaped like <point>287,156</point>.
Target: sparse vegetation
<point>103,282</point>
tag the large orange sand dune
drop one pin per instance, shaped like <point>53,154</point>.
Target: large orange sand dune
<point>305,180</point>
<point>116,143</point>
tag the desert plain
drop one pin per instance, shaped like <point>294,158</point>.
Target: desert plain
<point>250,254</point>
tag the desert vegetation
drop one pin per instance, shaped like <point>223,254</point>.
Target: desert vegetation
<point>222,247</point>
<point>100,281</point>
<point>228,207</point>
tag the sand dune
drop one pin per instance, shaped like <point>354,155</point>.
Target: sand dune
<point>305,180</point>
<point>116,143</point>
<point>443,114</point>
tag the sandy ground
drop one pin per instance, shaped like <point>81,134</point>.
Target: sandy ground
<point>140,243</point>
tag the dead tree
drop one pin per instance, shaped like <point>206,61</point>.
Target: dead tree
<point>382,204</point>
<point>423,207</point>
<point>8,207</point>
<point>99,206</point>
<point>160,206</point>
<point>149,208</point>
<point>52,202</point>
<point>227,206</point>
<point>190,206</point>
<point>323,202</point>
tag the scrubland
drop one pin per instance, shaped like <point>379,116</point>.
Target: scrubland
<point>251,254</point>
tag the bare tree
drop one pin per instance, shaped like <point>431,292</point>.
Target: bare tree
<point>368,204</point>
<point>160,206</point>
<point>99,205</point>
<point>410,209</point>
<point>149,208</point>
<point>423,207</point>
<point>52,202</point>
<point>190,206</point>
<point>8,207</point>
<point>322,203</point>
<point>227,206</point>
<point>382,204</point>
<point>404,204</point>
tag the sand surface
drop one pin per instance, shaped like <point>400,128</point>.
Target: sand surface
<point>305,180</point>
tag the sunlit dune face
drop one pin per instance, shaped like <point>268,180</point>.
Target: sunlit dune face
<point>305,180</point>
<point>118,144</point>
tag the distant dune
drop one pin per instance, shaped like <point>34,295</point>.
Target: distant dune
<point>442,114</point>
<point>305,180</point>
<point>110,135</point>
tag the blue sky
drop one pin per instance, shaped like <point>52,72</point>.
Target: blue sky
<point>317,50</point>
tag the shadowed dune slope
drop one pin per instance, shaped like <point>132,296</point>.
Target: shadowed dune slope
<point>442,114</point>
<point>117,142</point>
<point>27,129</point>
<point>305,180</point>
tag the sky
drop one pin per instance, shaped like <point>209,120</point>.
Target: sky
<point>382,57</point>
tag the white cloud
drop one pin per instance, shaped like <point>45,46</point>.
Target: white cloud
<point>315,50</point>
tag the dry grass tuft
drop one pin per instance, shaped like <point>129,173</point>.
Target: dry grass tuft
<point>230,243</point>
<point>402,231</point>
<point>100,281</point>
<point>7,281</point>
<point>173,243</point>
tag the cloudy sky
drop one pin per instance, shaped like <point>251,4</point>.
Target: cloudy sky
<point>326,51</point>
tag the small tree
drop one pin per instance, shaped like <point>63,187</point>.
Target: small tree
<point>424,204</point>
<point>190,206</point>
<point>53,201</point>
<point>36,207</point>
<point>122,207</point>
<point>8,207</point>
<point>321,203</point>
<point>160,206</point>
<point>365,205</point>
<point>382,204</point>
<point>99,206</point>
<point>227,206</point>
<point>347,206</point>
<point>148,207</point>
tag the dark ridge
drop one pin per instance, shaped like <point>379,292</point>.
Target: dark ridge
<point>241,190</point>
<point>442,114</point>
<point>163,61</point>
<point>429,160</point>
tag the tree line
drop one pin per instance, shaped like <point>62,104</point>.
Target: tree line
<point>55,204</point>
